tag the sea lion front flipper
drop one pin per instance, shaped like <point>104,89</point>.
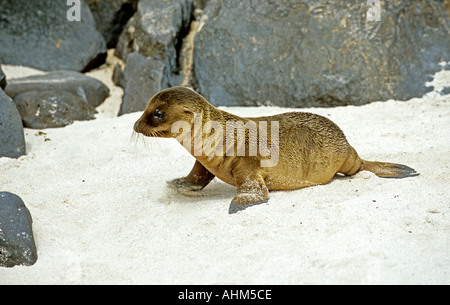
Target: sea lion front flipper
<point>181,186</point>
<point>251,190</point>
<point>234,208</point>
<point>198,178</point>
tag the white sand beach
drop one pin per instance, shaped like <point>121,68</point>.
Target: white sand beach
<point>102,213</point>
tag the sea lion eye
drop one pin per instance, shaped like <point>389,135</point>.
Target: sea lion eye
<point>159,115</point>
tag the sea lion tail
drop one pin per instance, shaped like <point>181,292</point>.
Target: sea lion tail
<point>389,170</point>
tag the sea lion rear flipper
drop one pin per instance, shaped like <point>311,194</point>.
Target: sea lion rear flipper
<point>389,170</point>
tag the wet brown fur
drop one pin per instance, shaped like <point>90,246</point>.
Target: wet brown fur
<point>312,149</point>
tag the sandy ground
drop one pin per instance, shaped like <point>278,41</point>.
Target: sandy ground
<point>102,213</point>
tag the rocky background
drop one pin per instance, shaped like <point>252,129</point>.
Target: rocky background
<point>277,52</point>
<point>318,53</point>
<point>289,53</point>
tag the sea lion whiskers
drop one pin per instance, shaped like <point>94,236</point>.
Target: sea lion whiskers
<point>136,139</point>
<point>139,139</point>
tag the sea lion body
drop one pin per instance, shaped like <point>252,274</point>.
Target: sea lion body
<point>312,150</point>
<point>309,149</point>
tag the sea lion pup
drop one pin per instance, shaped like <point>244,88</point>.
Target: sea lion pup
<point>303,149</point>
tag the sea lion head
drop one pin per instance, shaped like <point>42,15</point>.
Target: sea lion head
<point>167,107</point>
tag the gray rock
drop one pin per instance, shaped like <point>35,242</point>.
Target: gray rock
<point>318,53</point>
<point>445,91</point>
<point>200,4</point>
<point>11,130</point>
<point>142,78</point>
<point>118,77</point>
<point>2,79</point>
<point>89,89</point>
<point>157,30</point>
<point>51,108</point>
<point>17,246</point>
<point>38,34</point>
<point>111,16</point>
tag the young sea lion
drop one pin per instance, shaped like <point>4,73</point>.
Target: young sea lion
<point>305,149</point>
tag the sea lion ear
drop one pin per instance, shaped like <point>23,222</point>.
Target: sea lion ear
<point>187,110</point>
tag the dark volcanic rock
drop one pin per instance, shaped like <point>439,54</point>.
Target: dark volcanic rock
<point>111,16</point>
<point>89,89</point>
<point>38,34</point>
<point>445,91</point>
<point>318,53</point>
<point>17,246</point>
<point>117,76</point>
<point>11,130</point>
<point>2,79</point>
<point>50,109</point>
<point>156,30</point>
<point>143,77</point>
<point>200,4</point>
